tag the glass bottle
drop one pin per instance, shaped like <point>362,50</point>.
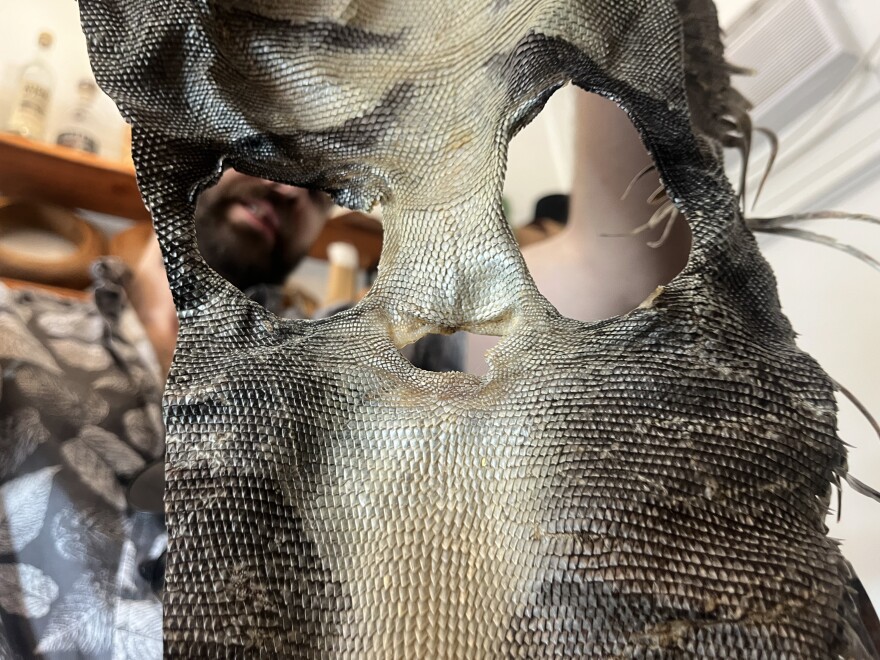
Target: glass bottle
<point>342,278</point>
<point>34,92</point>
<point>81,128</point>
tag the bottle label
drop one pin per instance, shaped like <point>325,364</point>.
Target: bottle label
<point>77,140</point>
<point>35,97</point>
<point>30,112</point>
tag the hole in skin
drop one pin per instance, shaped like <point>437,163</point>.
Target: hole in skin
<point>621,238</point>
<point>255,233</point>
<point>286,247</point>
<point>444,353</point>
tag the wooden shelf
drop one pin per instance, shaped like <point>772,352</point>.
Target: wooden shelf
<point>67,177</point>
<point>57,290</point>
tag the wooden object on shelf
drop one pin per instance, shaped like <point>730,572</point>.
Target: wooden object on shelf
<point>359,229</point>
<point>342,278</point>
<point>67,177</point>
<point>70,270</point>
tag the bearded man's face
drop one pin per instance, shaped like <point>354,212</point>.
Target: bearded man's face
<point>254,231</point>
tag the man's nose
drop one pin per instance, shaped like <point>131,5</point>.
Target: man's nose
<point>286,191</point>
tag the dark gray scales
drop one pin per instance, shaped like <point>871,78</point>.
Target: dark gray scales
<point>650,486</point>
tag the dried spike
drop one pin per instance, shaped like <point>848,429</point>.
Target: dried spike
<point>635,180</point>
<point>727,124</point>
<point>737,100</point>
<point>835,479</point>
<point>874,425</point>
<point>737,70</point>
<point>746,151</point>
<point>862,488</point>
<point>657,195</point>
<point>823,240</point>
<point>774,151</point>
<point>655,220</point>
<point>859,406</point>
<point>760,224</point>
<point>667,230</point>
<point>732,140</point>
<point>739,136</point>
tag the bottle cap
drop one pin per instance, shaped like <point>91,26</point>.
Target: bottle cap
<point>45,39</point>
<point>87,87</point>
<point>342,254</point>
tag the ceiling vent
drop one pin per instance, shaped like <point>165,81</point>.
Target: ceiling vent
<point>800,50</point>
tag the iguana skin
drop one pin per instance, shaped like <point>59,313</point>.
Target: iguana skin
<point>653,485</point>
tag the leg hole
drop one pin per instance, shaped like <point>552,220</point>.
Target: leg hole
<point>603,249</point>
<point>621,237</point>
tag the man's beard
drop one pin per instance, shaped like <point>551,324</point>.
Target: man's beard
<point>242,257</point>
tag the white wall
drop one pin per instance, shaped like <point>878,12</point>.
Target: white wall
<point>539,160</point>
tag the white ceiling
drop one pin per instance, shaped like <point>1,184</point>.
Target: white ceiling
<point>728,10</point>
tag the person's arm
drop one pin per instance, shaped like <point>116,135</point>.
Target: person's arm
<point>151,299</point>
<point>597,268</point>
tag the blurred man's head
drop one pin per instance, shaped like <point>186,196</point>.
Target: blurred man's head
<point>253,231</point>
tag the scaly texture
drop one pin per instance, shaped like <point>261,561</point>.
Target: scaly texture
<point>649,486</point>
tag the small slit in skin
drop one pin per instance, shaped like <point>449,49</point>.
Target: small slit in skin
<point>444,353</point>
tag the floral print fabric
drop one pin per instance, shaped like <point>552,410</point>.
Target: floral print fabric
<point>80,418</point>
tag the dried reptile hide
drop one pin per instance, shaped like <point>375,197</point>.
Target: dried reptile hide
<point>652,485</point>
